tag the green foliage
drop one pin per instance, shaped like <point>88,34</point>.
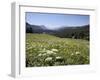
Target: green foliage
<point>81,32</point>
<point>47,50</point>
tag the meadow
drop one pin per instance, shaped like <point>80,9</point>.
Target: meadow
<point>49,50</point>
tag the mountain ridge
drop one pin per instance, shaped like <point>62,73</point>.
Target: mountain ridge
<point>78,32</point>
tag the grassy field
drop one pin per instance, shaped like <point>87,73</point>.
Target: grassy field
<point>48,50</point>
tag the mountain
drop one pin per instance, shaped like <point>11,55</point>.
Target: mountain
<point>76,32</point>
<point>34,28</point>
<point>79,32</point>
<point>37,29</point>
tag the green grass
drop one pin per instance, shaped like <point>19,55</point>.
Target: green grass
<point>48,50</point>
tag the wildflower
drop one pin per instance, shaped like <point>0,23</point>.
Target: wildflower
<point>44,54</point>
<point>54,50</point>
<point>40,54</point>
<point>48,59</point>
<point>49,52</point>
<point>58,57</point>
<point>77,53</point>
<point>44,50</point>
<point>41,46</point>
<point>72,54</point>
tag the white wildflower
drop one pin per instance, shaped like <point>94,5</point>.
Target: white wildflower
<point>54,50</point>
<point>48,59</point>
<point>41,46</point>
<point>72,54</point>
<point>58,57</point>
<point>49,52</point>
<point>77,53</point>
<point>44,50</point>
<point>40,54</point>
<point>44,54</point>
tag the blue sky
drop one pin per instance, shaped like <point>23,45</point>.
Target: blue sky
<point>52,21</point>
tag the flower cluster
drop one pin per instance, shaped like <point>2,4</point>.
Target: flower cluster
<point>48,50</point>
<point>50,57</point>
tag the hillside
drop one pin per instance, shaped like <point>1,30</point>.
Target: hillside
<point>78,32</point>
<point>48,50</point>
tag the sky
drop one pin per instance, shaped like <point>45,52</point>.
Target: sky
<point>55,20</point>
